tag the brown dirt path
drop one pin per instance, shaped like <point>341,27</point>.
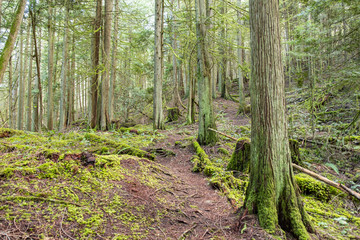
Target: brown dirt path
<point>207,214</point>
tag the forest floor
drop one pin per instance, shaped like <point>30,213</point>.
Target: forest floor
<point>81,185</point>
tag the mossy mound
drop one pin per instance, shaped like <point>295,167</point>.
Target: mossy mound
<point>312,187</point>
<point>51,192</point>
<point>173,114</point>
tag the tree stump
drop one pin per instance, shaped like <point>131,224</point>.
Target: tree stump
<point>295,153</point>
<point>240,159</point>
<point>173,114</point>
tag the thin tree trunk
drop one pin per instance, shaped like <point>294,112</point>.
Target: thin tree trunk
<point>51,36</point>
<point>29,90</point>
<point>10,93</point>
<point>206,115</point>
<point>158,66</point>
<point>36,100</point>
<point>239,53</point>
<point>272,192</point>
<point>0,12</point>
<point>63,76</point>
<point>113,61</point>
<point>95,61</point>
<point>20,116</point>
<point>10,42</point>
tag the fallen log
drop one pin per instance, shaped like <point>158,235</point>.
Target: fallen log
<point>327,181</point>
<point>311,173</point>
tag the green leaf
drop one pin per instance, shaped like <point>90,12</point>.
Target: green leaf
<point>333,167</point>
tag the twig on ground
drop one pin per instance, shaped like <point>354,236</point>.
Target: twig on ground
<point>183,236</point>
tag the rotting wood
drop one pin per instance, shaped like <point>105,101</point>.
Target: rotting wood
<point>310,173</point>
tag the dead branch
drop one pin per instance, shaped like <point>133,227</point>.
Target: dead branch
<point>327,181</point>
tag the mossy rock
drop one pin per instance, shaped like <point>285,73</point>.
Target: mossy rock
<point>313,187</point>
<point>240,159</point>
<point>173,114</point>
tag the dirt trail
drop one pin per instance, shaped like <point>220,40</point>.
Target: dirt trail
<point>207,214</point>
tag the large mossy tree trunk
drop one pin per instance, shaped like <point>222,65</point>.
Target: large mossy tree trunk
<point>158,68</point>
<point>272,192</point>
<point>10,42</point>
<point>206,115</point>
<point>51,36</point>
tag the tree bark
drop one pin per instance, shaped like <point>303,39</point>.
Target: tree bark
<point>206,115</point>
<point>64,70</point>
<point>20,116</point>
<point>239,53</point>
<point>105,119</point>
<point>10,93</point>
<point>51,36</point>
<point>272,193</point>
<point>10,42</point>
<point>36,102</point>
<point>95,61</point>
<point>29,90</point>
<point>113,61</point>
<point>158,66</point>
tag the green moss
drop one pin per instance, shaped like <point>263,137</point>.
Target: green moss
<point>7,172</point>
<point>223,151</point>
<point>48,170</point>
<point>240,159</point>
<point>121,148</point>
<point>8,132</point>
<point>310,186</point>
<point>173,114</point>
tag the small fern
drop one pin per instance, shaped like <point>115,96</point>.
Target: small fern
<point>333,167</point>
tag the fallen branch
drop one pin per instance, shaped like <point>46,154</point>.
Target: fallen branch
<point>310,173</point>
<point>183,236</point>
<point>327,181</point>
<point>330,145</point>
<point>232,138</point>
<point>32,198</point>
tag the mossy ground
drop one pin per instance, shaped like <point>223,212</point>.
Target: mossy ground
<point>47,190</point>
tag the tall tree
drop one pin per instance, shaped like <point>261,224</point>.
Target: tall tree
<point>95,63</point>
<point>206,115</point>
<point>272,193</point>
<point>20,116</point>
<point>105,119</point>
<point>51,34</point>
<point>10,42</point>
<point>158,66</point>
<point>113,60</point>
<point>29,92</point>
<point>239,53</point>
<point>64,70</point>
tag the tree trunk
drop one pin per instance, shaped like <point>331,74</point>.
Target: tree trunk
<point>158,67</point>
<point>105,120</point>
<point>51,36</point>
<point>113,61</point>
<point>95,61</point>
<point>206,115</point>
<point>36,102</point>
<point>10,93</point>
<point>272,192</point>
<point>242,104</point>
<point>64,70</point>
<point>29,90</point>
<point>10,42</point>
<point>0,11</point>
<point>20,116</point>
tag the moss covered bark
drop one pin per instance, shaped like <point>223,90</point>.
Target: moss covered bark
<point>240,159</point>
<point>272,192</point>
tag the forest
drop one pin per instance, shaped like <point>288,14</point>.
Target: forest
<point>179,119</point>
